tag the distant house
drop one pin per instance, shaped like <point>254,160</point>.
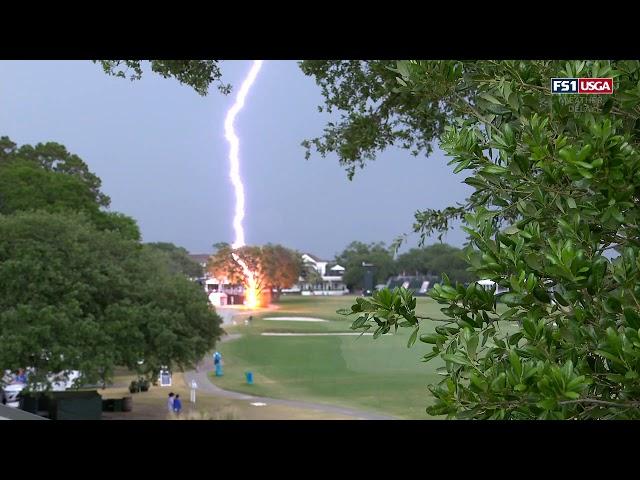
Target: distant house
<point>219,290</point>
<point>329,281</point>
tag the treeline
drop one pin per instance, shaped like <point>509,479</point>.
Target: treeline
<point>78,289</point>
<point>432,260</point>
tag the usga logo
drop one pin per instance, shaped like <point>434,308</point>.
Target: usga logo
<point>597,86</point>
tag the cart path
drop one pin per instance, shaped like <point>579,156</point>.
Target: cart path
<point>205,385</point>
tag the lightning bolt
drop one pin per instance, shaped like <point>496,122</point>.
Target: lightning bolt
<point>234,151</point>
<point>251,299</point>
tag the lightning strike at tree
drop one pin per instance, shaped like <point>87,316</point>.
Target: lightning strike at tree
<point>251,295</point>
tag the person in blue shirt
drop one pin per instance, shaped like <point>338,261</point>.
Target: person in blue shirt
<point>177,404</point>
<point>21,376</point>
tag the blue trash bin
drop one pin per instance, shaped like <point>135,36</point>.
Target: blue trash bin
<point>249,376</point>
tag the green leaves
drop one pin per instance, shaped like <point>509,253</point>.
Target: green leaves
<point>456,359</point>
<point>432,338</point>
<point>198,74</point>
<point>98,299</point>
<point>632,318</point>
<point>553,218</point>
<point>412,338</point>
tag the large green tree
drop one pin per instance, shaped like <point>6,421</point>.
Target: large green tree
<point>554,218</point>
<point>53,157</point>
<point>178,260</point>
<point>436,259</point>
<point>282,267</point>
<point>357,253</point>
<point>48,177</point>
<point>76,298</point>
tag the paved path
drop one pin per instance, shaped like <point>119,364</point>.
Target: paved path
<point>205,385</point>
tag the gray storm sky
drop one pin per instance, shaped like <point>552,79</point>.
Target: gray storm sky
<point>160,151</point>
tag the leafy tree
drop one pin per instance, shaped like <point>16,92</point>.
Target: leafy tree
<point>47,177</point>
<point>178,260</point>
<point>435,259</point>
<point>198,74</point>
<point>223,264</point>
<point>27,186</point>
<point>53,157</point>
<point>275,266</point>
<point>76,298</point>
<point>281,266</point>
<point>356,253</point>
<point>118,222</point>
<point>556,188</point>
<point>373,113</point>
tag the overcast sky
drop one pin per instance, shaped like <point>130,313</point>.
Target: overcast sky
<point>160,151</point>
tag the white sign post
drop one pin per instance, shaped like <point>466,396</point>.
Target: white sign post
<point>165,378</point>
<point>194,386</point>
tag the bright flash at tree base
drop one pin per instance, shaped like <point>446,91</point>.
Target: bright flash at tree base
<point>251,298</point>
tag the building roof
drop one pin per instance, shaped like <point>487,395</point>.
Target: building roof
<point>317,259</point>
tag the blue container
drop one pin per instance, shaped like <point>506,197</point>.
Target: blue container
<point>249,376</point>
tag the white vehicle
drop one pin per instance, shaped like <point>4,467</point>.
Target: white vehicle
<point>11,392</point>
<point>488,284</point>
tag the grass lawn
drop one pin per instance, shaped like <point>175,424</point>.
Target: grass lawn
<point>151,405</point>
<point>380,375</point>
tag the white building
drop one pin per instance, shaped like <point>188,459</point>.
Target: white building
<point>488,284</point>
<point>329,281</point>
<point>219,290</point>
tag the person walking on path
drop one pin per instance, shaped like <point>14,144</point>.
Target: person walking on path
<point>177,404</point>
<point>170,402</point>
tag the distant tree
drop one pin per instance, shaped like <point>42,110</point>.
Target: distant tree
<point>356,253</point>
<point>25,185</point>
<point>281,266</point>
<point>73,297</point>
<point>436,259</point>
<point>53,157</point>
<point>178,260</point>
<point>275,267</point>
<point>48,177</point>
<point>198,74</point>
<point>118,222</point>
<point>222,264</point>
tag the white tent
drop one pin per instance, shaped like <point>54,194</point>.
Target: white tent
<point>487,284</point>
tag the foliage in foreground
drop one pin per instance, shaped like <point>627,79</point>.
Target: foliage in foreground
<point>76,298</point>
<point>556,193</point>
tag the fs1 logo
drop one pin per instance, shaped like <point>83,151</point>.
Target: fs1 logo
<point>594,86</point>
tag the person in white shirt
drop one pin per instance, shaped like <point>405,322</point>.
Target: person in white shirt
<point>170,402</point>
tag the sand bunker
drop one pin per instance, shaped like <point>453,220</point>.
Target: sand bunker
<point>296,319</point>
